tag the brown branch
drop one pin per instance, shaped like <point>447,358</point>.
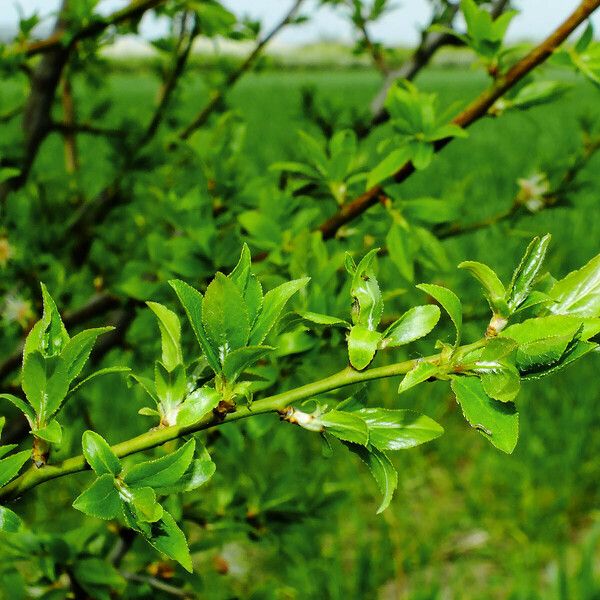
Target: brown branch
<point>218,95</point>
<point>431,42</point>
<point>58,40</point>
<point>475,111</point>
<point>86,128</point>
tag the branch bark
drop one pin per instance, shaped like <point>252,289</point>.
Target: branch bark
<point>475,111</point>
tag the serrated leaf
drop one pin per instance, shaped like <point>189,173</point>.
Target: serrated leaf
<point>273,303</point>
<point>145,506</point>
<point>171,386</point>
<point>10,466</point>
<point>21,405</point>
<point>163,471</point>
<point>362,346</point>
<point>9,521</point>
<point>77,350</point>
<point>170,334</point>
<point>198,473</point>
<point>248,284</point>
<point>100,500</point>
<point>398,429</point>
<point>415,323</point>
<point>99,454</point>
<point>320,319</point>
<point>382,470</point>
<point>578,293</point>
<point>449,302</point>
<point>225,317</point>
<point>494,289</point>
<point>239,360</point>
<point>365,292</point>
<point>99,373</point>
<point>386,168</point>
<point>52,432</point>
<point>167,538</point>
<point>192,301</point>
<point>527,272</point>
<point>421,372</point>
<point>496,421</point>
<point>197,405</point>
<point>346,426</point>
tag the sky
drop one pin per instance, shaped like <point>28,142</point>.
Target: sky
<point>537,18</point>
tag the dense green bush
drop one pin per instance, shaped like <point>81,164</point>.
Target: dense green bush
<point>214,266</point>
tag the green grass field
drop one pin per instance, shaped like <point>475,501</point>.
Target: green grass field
<point>467,523</point>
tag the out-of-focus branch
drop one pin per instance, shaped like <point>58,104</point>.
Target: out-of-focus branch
<point>59,39</point>
<point>218,95</point>
<point>431,42</point>
<point>68,105</point>
<point>87,129</point>
<point>475,111</point>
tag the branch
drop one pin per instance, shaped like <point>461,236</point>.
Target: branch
<point>217,96</point>
<point>277,403</point>
<point>475,111</point>
<point>70,139</point>
<point>66,128</point>
<point>59,40</point>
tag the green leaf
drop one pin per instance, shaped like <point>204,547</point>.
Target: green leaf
<point>362,346</point>
<point>167,538</point>
<point>552,326</point>
<point>449,302</point>
<point>99,373</point>
<point>239,360</point>
<point>398,243</point>
<point>198,473</point>
<point>579,292</point>
<point>421,372</point>
<point>412,325</point>
<point>398,429</point>
<point>163,471</point>
<point>9,521</point>
<point>197,405</point>
<point>191,300</point>
<point>77,350</point>
<point>21,405</point>
<point>225,317</point>
<point>273,304</point>
<point>34,381</point>
<point>382,470</point>
<point>494,289</point>
<point>100,500</point>
<point>346,426</point>
<point>320,319</point>
<point>94,573</point>
<point>248,284</point>
<point>368,302</point>
<point>170,334</point>
<point>52,432</point>
<point>10,467</point>
<point>99,454</point>
<point>171,386</point>
<point>145,506</point>
<point>392,163</point>
<point>496,421</point>
<point>500,381</point>
<point>527,272</point>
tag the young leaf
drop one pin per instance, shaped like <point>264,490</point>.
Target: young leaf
<point>578,293</point>
<point>412,325</point>
<point>52,432</point>
<point>398,429</point>
<point>99,373</point>
<point>10,467</point>
<point>198,473</point>
<point>9,521</point>
<point>248,284</point>
<point>34,381</point>
<point>527,272</point>
<point>197,405</point>
<point>362,346</point>
<point>449,302</point>
<point>225,317</point>
<point>239,360</point>
<point>420,373</point>
<point>365,291</point>
<point>346,426</point>
<point>494,289</point>
<point>99,454</point>
<point>167,538</point>
<point>191,300</point>
<point>145,507</point>
<point>77,350</point>
<point>320,319</point>
<point>21,405</point>
<point>170,334</point>
<point>496,421</point>
<point>382,470</point>
<point>171,386</point>
<point>163,471</point>
<point>393,162</point>
<point>100,500</point>
<point>273,304</point>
